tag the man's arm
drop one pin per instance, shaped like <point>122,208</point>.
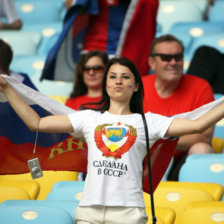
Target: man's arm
<point>17,25</point>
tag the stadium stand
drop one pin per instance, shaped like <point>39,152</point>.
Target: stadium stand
<point>203,212</point>
<point>34,214</point>
<point>69,206</point>
<point>205,168</point>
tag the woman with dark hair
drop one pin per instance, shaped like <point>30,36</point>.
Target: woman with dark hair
<point>88,79</point>
<point>137,98</point>
<point>116,140</point>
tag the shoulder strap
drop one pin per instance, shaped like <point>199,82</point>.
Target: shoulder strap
<point>154,220</point>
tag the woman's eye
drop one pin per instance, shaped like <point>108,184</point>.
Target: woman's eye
<point>126,77</point>
<point>112,76</point>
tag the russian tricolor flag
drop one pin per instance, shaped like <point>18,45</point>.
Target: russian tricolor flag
<point>120,28</point>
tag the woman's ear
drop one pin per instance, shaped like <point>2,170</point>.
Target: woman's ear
<point>136,87</point>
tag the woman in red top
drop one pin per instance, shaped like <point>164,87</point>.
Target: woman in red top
<point>88,79</point>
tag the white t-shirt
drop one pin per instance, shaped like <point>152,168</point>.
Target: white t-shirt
<point>116,150</point>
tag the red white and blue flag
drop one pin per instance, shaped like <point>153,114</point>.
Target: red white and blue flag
<point>121,28</point>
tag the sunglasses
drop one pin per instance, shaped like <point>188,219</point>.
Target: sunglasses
<point>95,68</point>
<point>169,57</point>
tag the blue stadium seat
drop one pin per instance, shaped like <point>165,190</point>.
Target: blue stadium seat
<point>195,30</point>
<point>172,11</point>
<point>66,190</point>
<point>208,168</point>
<point>49,34</point>
<point>216,11</point>
<point>215,40</point>
<point>69,206</point>
<point>38,11</point>
<point>34,214</point>
<point>30,65</point>
<point>23,43</point>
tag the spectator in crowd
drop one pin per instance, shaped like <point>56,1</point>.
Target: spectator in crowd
<point>122,28</point>
<point>8,11</point>
<point>6,56</point>
<point>88,82</point>
<point>116,142</point>
<point>207,63</point>
<point>88,79</point>
<point>170,92</point>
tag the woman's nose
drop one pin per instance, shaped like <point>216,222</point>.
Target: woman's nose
<point>118,80</point>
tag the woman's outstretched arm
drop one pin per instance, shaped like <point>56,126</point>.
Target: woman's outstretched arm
<point>54,123</point>
<point>181,126</point>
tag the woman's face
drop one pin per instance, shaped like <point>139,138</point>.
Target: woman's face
<point>93,72</point>
<point>120,84</point>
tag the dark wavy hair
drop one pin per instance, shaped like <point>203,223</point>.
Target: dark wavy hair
<point>79,87</point>
<point>6,55</point>
<point>136,102</point>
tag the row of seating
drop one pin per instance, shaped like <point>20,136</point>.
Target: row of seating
<point>172,11</point>
<point>173,200</point>
<point>205,168</point>
<point>40,11</point>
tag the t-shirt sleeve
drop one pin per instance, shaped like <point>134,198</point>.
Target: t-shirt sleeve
<point>77,120</point>
<point>157,125</point>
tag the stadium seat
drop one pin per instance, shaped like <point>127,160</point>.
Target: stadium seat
<point>216,11</point>
<point>49,34</point>
<point>66,190</point>
<point>217,144</point>
<point>46,182</point>
<point>197,29</point>
<point>207,168</point>
<point>34,214</point>
<point>171,11</point>
<point>23,43</point>
<point>61,99</point>
<point>31,187</point>
<point>30,65</point>
<point>215,40</point>
<point>33,66</point>
<point>52,88</point>
<point>34,12</point>
<point>177,198</point>
<point>9,192</point>
<point>203,212</point>
<point>69,206</point>
<point>163,215</point>
<point>188,32</point>
<point>214,189</point>
<point>213,156</point>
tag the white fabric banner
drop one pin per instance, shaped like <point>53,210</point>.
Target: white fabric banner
<point>31,96</point>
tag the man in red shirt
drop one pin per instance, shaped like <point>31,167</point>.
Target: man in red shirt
<point>169,92</point>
